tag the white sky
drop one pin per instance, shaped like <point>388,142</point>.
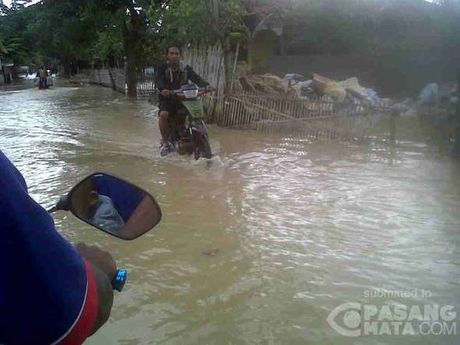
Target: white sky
<point>8,2</point>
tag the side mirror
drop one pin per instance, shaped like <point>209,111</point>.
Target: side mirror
<point>112,205</point>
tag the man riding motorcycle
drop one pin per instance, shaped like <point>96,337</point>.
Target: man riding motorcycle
<point>50,292</point>
<point>171,76</point>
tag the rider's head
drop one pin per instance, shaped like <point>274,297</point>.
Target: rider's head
<point>173,53</point>
<point>84,198</point>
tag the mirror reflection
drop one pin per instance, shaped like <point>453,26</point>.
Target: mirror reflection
<point>114,205</point>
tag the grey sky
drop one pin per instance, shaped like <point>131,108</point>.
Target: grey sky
<point>8,2</point>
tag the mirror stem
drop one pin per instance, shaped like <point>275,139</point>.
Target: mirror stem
<point>62,204</point>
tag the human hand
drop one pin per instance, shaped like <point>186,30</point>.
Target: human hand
<point>165,93</point>
<point>98,257</point>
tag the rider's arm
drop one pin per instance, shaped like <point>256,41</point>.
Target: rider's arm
<point>48,293</point>
<point>195,78</point>
<point>96,308</point>
<point>105,298</point>
<point>159,78</point>
<point>103,268</point>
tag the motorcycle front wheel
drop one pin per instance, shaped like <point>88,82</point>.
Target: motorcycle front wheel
<point>202,147</point>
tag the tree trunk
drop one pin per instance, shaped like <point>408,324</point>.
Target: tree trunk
<point>67,68</point>
<point>129,42</point>
<point>131,73</point>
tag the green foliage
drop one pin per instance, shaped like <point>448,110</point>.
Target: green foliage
<point>108,47</point>
<point>14,45</point>
<point>197,21</point>
<point>100,31</point>
<point>2,48</point>
<point>16,49</point>
<point>411,41</point>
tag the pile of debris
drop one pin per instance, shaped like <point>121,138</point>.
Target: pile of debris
<point>346,93</point>
<point>318,87</point>
<point>268,84</point>
<point>433,99</point>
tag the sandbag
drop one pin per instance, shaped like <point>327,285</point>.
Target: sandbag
<point>329,87</point>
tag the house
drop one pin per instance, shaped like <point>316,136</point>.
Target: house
<point>265,22</point>
<point>7,73</point>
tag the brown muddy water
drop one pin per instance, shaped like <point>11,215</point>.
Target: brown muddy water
<point>299,227</point>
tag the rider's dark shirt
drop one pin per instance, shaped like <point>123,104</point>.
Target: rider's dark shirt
<point>167,79</point>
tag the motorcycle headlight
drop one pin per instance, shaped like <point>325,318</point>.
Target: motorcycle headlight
<point>191,93</point>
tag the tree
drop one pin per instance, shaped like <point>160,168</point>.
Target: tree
<point>200,22</point>
<point>12,25</point>
<point>410,41</point>
<point>197,21</point>
<point>130,17</point>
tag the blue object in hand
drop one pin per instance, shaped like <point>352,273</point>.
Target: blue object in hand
<point>118,282</point>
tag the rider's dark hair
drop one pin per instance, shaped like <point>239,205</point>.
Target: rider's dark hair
<point>173,45</point>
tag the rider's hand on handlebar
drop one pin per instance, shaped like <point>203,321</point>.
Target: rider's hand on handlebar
<point>98,257</point>
<point>166,93</point>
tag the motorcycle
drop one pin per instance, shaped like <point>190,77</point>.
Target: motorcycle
<point>193,139</point>
<point>114,206</point>
<point>43,83</point>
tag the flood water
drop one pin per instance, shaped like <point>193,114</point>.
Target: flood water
<point>298,227</point>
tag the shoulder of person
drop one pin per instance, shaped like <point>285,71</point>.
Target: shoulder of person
<point>105,199</point>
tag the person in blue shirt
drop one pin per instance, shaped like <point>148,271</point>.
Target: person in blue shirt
<point>96,208</point>
<point>50,291</point>
<point>104,214</point>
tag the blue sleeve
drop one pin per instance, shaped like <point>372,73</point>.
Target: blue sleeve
<point>43,280</point>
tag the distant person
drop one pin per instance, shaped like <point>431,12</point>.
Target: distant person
<point>43,78</point>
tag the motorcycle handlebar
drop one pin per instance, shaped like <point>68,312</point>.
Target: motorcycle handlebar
<point>118,282</point>
<point>201,90</point>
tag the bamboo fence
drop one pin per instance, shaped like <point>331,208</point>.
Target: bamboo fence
<point>317,117</point>
<point>115,78</point>
<point>208,62</point>
<point>314,117</point>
